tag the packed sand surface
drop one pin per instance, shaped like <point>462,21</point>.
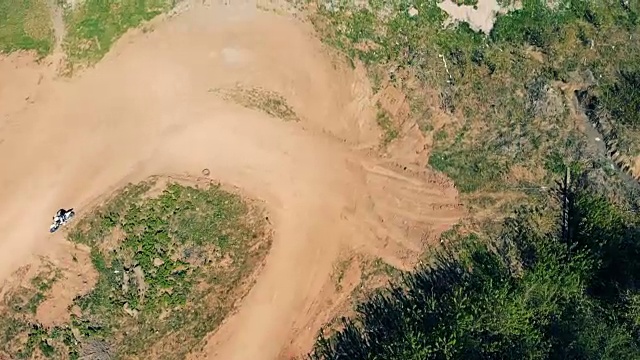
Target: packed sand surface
<point>149,108</point>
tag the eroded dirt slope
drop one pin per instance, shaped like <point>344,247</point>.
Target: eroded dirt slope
<point>148,108</point>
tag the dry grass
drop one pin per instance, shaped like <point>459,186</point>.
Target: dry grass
<point>269,102</point>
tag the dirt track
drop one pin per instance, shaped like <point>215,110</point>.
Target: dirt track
<point>147,109</point>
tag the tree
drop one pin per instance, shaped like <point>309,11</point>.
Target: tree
<point>531,294</point>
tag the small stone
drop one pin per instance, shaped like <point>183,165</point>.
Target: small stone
<point>76,333</point>
<point>413,12</point>
<point>125,282</point>
<point>157,262</point>
<point>129,311</point>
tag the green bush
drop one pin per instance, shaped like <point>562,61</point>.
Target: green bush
<point>622,98</point>
<point>470,170</point>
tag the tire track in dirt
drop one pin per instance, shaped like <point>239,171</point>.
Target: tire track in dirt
<point>146,109</point>
<point>57,19</point>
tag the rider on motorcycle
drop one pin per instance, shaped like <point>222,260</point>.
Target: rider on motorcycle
<point>59,218</point>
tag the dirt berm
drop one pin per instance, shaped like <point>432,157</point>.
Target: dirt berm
<point>149,108</point>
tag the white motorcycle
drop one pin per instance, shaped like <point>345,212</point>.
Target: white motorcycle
<point>62,218</point>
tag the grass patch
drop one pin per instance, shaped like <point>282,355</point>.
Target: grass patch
<point>339,270</point>
<point>25,25</point>
<point>269,102</point>
<point>380,267</point>
<point>470,170</point>
<point>179,262</point>
<point>504,90</point>
<point>390,131</point>
<point>375,272</point>
<point>618,105</point>
<point>94,25</point>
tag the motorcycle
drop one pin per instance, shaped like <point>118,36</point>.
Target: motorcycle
<point>61,218</point>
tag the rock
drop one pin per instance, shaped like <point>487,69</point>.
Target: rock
<point>129,311</point>
<point>588,77</point>
<point>76,334</point>
<point>413,12</point>
<point>157,262</point>
<point>139,276</point>
<point>125,282</point>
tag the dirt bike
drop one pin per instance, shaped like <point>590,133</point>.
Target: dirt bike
<point>61,219</point>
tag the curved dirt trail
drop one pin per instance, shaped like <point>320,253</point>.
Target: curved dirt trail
<point>146,109</point>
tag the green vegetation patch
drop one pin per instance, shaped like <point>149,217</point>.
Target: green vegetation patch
<point>466,2</point>
<point>25,339</point>
<point>94,25</point>
<point>506,90</point>
<point>269,102</point>
<point>621,98</point>
<point>25,25</point>
<point>172,261</point>
<point>390,130</point>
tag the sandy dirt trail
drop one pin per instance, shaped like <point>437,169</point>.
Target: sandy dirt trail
<point>146,109</point>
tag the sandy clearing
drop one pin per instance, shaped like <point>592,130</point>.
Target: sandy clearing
<point>480,17</point>
<point>146,109</point>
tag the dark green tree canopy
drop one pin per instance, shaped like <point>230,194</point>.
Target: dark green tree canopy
<point>531,294</point>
